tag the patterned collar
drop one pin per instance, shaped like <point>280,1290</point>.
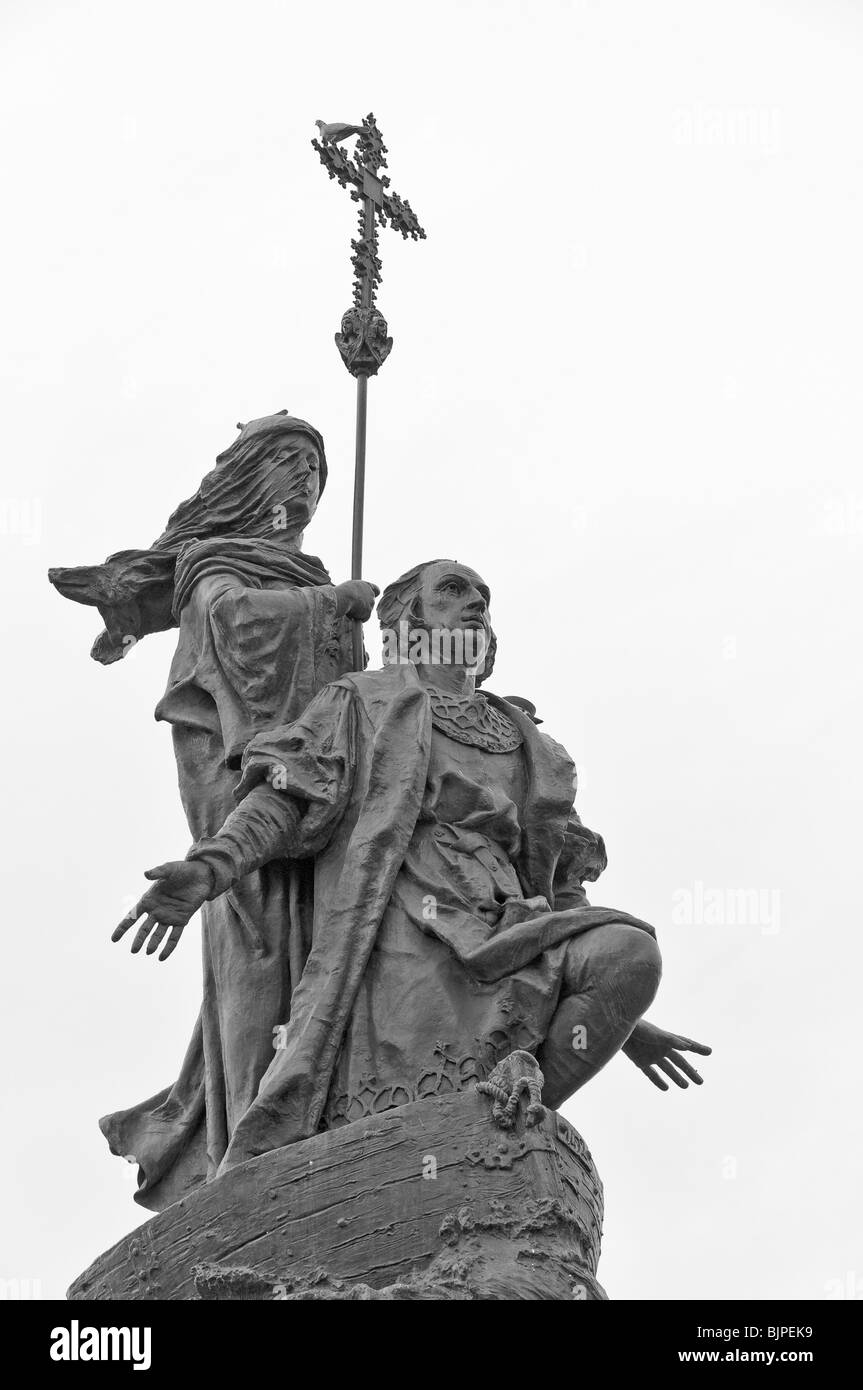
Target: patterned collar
<point>472,720</point>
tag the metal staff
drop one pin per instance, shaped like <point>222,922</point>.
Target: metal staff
<point>363,342</point>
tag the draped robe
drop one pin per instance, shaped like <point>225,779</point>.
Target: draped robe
<point>356,782</point>
<point>259,636</point>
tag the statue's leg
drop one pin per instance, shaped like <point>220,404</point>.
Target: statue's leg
<point>611,976</point>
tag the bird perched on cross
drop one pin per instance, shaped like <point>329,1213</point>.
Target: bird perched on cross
<point>337,131</point>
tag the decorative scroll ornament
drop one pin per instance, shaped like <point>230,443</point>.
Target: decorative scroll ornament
<point>363,341</point>
<point>472,720</point>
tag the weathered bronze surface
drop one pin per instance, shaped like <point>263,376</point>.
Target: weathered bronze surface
<point>391,874</point>
<point>431,1201</point>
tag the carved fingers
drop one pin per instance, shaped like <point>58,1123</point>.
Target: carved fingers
<point>690,1045</point>
<point>664,1056</point>
<point>531,1089</point>
<point>151,928</point>
<point>179,890</point>
<point>686,1067</point>
<point>356,599</point>
<point>516,1076</point>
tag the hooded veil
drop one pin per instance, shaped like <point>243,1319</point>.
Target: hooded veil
<point>137,591</point>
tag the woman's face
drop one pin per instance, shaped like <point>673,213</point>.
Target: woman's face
<point>313,485</point>
<point>295,477</point>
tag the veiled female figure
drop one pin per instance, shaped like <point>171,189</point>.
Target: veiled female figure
<point>261,630</point>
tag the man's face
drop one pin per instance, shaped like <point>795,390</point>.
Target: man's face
<point>456,599</point>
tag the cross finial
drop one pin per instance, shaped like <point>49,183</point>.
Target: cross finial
<point>363,341</point>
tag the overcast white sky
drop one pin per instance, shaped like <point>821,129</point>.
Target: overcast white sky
<point>625,387</point>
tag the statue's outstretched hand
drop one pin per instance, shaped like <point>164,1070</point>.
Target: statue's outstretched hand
<point>181,887</point>
<point>650,1047</point>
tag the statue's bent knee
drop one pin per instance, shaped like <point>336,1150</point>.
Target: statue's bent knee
<point>617,952</point>
<point>641,962</point>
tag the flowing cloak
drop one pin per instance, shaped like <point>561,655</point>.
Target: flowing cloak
<point>357,762</point>
<point>259,636</point>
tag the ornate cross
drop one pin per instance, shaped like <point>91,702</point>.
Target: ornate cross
<point>363,341</point>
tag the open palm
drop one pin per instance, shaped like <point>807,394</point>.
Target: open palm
<point>180,888</point>
<point>653,1051</point>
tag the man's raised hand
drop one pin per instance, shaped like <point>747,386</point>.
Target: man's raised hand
<point>180,888</point>
<point>650,1048</point>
